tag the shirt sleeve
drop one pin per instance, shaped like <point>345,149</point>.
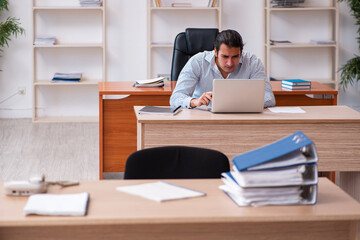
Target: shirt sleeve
<point>258,72</point>
<point>186,83</point>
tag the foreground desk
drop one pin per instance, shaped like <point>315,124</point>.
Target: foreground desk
<point>319,94</point>
<point>334,129</point>
<point>117,122</point>
<point>117,215</point>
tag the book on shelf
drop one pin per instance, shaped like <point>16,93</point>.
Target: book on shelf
<point>212,3</point>
<point>181,5</point>
<point>154,82</point>
<point>43,41</point>
<point>281,173</point>
<point>90,3</point>
<point>280,42</point>
<point>72,77</point>
<point>157,3</point>
<point>322,42</point>
<point>161,110</point>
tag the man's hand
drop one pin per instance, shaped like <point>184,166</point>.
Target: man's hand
<point>203,100</point>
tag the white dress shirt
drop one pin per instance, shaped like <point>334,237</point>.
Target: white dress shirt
<point>198,73</point>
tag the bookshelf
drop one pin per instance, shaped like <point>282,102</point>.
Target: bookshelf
<point>161,30</point>
<point>315,19</point>
<point>80,47</point>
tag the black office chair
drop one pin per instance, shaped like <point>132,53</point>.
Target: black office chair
<point>189,43</point>
<point>176,162</point>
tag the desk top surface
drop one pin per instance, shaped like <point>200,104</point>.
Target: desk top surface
<point>108,206</point>
<point>313,114</point>
<point>126,87</point>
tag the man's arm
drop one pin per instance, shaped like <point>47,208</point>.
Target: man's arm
<point>258,72</point>
<point>186,83</point>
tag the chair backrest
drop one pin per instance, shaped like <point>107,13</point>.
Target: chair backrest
<point>189,43</point>
<point>176,162</point>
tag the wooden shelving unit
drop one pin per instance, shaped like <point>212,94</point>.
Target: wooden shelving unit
<point>72,46</point>
<point>331,9</point>
<point>168,46</point>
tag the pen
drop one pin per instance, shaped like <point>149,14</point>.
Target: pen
<point>177,108</point>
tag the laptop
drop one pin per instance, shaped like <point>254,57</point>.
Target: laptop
<point>238,95</point>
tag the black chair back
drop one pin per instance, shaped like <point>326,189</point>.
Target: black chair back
<point>176,162</point>
<point>189,43</point>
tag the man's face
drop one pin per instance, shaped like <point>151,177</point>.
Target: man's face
<point>227,58</point>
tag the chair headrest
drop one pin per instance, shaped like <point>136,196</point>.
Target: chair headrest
<point>197,39</point>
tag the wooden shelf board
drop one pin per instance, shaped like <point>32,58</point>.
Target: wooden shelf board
<point>71,45</point>
<point>66,8</point>
<point>184,8</point>
<point>302,45</point>
<point>62,83</point>
<point>67,119</point>
<point>300,9</point>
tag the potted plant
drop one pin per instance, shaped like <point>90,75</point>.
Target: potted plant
<point>9,27</point>
<point>350,72</point>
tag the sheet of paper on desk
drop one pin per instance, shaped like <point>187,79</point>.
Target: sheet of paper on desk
<point>57,204</point>
<point>160,191</point>
<point>286,110</point>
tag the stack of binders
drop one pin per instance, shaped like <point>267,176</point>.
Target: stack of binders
<point>295,84</point>
<point>281,173</point>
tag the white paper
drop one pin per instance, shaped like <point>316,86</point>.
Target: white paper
<point>286,110</point>
<point>57,204</point>
<point>160,191</point>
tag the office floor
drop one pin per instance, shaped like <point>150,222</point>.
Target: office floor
<point>61,151</point>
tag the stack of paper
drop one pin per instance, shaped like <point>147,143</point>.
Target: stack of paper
<point>281,173</point>
<point>57,204</point>
<point>280,42</point>
<point>45,41</point>
<point>155,82</point>
<point>295,84</point>
<point>90,3</point>
<point>319,42</point>
<point>72,77</point>
<point>160,191</point>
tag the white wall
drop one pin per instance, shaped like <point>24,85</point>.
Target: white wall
<point>126,49</point>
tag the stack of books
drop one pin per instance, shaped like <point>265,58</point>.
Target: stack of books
<point>295,84</point>
<point>90,3</point>
<point>45,41</point>
<point>68,77</point>
<point>154,82</point>
<point>281,173</point>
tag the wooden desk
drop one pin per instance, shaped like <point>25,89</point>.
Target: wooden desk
<point>117,215</point>
<point>117,122</point>
<point>335,131</point>
<point>302,98</point>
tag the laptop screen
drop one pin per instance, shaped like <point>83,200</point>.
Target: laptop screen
<point>238,95</point>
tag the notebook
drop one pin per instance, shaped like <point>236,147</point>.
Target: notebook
<point>238,95</point>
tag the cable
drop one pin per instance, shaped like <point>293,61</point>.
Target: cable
<point>9,97</point>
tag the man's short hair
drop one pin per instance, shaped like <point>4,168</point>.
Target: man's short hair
<point>230,38</point>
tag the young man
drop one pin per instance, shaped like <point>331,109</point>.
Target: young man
<point>227,60</point>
